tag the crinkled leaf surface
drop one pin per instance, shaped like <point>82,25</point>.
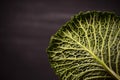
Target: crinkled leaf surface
<point>87,47</point>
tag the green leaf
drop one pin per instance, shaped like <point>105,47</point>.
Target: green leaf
<point>87,47</point>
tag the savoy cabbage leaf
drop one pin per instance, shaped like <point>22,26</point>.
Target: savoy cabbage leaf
<point>87,47</point>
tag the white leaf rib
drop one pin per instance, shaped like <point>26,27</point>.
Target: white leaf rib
<point>71,48</point>
<point>94,32</point>
<point>74,32</point>
<point>115,37</point>
<point>74,59</point>
<point>64,41</point>
<point>109,54</point>
<point>86,34</point>
<point>98,77</point>
<point>117,58</point>
<point>87,71</point>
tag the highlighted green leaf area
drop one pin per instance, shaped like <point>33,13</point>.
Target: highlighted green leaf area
<point>87,47</point>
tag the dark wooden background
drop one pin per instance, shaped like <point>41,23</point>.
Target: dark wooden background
<point>26,27</point>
